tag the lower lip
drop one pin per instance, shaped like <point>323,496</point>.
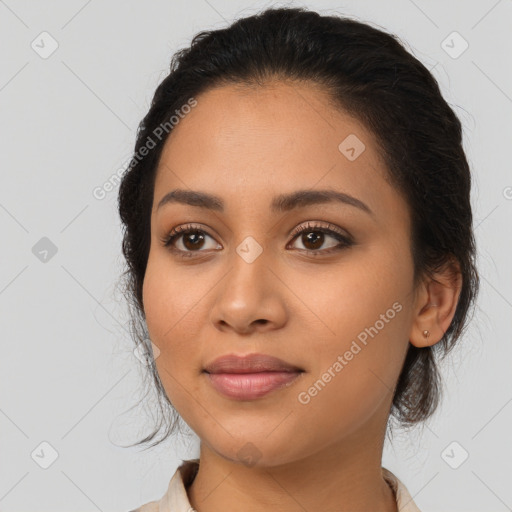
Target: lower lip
<point>249,386</point>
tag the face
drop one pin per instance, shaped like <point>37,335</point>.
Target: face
<point>334,300</point>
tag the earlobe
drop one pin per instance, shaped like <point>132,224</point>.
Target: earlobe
<point>436,306</point>
<point>426,330</point>
<point>426,334</point>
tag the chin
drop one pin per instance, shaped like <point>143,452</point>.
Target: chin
<point>254,451</point>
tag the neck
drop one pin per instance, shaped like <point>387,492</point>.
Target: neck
<point>343,477</point>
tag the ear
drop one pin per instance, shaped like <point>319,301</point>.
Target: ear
<point>435,305</point>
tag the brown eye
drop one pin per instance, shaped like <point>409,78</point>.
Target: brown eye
<point>193,240</point>
<point>313,239</point>
<point>188,239</point>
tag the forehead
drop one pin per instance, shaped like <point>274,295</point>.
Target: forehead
<point>246,143</point>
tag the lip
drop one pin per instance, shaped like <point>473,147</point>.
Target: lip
<point>250,386</point>
<point>251,363</point>
<point>250,377</point>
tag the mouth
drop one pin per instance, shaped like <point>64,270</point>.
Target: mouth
<point>250,377</point>
<point>250,386</point>
<point>251,363</point>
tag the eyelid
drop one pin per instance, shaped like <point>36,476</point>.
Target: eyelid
<point>318,224</point>
<point>183,229</point>
<point>326,227</point>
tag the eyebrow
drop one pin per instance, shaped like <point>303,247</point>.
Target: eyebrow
<point>280,203</point>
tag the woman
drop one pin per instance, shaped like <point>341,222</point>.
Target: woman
<point>298,233</point>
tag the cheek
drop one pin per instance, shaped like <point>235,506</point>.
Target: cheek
<point>354,370</point>
<point>172,305</point>
<point>162,309</point>
<point>171,299</point>
<point>367,311</point>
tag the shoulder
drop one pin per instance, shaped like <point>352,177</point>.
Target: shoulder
<point>175,498</point>
<point>404,500</point>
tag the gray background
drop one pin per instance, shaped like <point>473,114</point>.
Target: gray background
<point>68,372</point>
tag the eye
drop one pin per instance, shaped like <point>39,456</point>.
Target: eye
<point>190,237</point>
<point>312,236</point>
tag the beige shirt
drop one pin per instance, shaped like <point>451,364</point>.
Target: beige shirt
<point>176,499</point>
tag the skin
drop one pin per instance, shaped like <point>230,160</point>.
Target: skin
<point>247,145</point>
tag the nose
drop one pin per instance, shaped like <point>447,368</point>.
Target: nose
<point>249,298</point>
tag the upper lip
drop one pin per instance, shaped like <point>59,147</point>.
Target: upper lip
<point>251,363</point>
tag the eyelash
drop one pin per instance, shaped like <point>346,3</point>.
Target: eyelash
<point>344,240</point>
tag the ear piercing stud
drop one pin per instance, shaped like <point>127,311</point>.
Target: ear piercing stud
<point>426,333</point>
